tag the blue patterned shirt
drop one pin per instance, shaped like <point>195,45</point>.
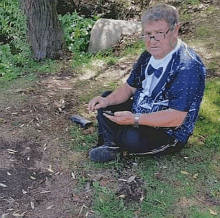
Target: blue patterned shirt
<point>181,87</point>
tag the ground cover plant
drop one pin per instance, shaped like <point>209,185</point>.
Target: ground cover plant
<point>14,50</point>
<point>76,31</point>
<point>44,166</point>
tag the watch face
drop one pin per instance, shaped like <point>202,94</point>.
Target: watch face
<point>109,113</point>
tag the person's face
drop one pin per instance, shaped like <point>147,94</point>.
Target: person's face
<point>159,49</point>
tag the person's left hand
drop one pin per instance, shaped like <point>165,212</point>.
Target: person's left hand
<point>122,118</point>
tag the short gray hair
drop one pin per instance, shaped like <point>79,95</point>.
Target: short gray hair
<point>161,12</point>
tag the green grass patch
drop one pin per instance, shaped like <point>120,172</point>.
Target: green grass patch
<point>81,140</point>
<point>108,205</point>
<point>202,32</point>
<point>208,123</point>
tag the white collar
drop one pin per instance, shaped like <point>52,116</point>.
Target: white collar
<point>156,63</point>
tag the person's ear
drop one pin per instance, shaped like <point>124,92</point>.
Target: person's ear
<point>176,29</point>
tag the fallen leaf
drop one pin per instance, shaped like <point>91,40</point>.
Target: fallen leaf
<point>45,191</point>
<point>121,196</point>
<point>24,192</point>
<point>48,208</point>
<point>45,146</point>
<point>213,212</point>
<point>195,176</point>
<point>124,180</point>
<point>32,205</point>
<point>2,120</point>
<point>50,169</point>
<point>3,185</point>
<point>11,151</point>
<point>18,215</point>
<point>184,172</point>
<point>73,175</point>
<point>142,198</point>
<point>33,178</point>
<point>131,179</point>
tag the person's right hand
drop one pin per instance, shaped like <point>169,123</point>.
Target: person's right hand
<point>97,103</point>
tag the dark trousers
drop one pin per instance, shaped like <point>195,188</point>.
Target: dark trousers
<point>141,140</point>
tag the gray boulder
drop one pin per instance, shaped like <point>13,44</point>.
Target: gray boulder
<point>107,32</point>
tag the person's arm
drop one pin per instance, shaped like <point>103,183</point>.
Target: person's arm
<point>118,96</point>
<point>165,118</point>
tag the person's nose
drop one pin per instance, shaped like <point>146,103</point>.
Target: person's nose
<point>153,41</point>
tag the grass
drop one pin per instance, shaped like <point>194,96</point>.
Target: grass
<point>81,141</point>
<point>187,184</point>
<point>107,204</point>
<point>209,120</point>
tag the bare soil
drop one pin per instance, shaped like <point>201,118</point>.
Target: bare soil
<point>33,182</point>
<point>38,177</point>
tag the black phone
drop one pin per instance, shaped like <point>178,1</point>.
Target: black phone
<point>83,122</point>
<point>109,113</point>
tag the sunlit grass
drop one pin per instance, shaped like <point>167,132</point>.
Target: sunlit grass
<point>81,141</point>
<point>209,116</point>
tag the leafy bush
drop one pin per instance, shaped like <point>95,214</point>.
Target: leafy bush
<point>14,51</point>
<point>76,31</point>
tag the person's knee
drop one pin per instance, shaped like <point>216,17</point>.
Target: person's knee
<point>130,140</point>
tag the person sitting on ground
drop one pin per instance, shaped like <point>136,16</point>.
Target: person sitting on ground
<point>155,110</point>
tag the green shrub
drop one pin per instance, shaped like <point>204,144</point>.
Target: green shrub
<point>14,51</point>
<point>76,31</point>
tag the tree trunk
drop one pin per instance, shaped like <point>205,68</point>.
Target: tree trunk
<point>44,32</point>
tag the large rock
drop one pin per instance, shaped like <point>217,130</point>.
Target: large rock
<point>107,32</point>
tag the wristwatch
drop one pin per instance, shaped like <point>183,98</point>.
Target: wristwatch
<point>136,120</point>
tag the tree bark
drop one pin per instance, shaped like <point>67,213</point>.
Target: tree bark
<point>44,29</point>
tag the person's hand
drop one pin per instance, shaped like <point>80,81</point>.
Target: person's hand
<point>97,103</point>
<point>122,118</point>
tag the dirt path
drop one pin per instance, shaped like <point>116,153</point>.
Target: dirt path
<point>35,180</point>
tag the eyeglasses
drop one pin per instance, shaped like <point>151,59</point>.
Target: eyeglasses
<point>157,37</point>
